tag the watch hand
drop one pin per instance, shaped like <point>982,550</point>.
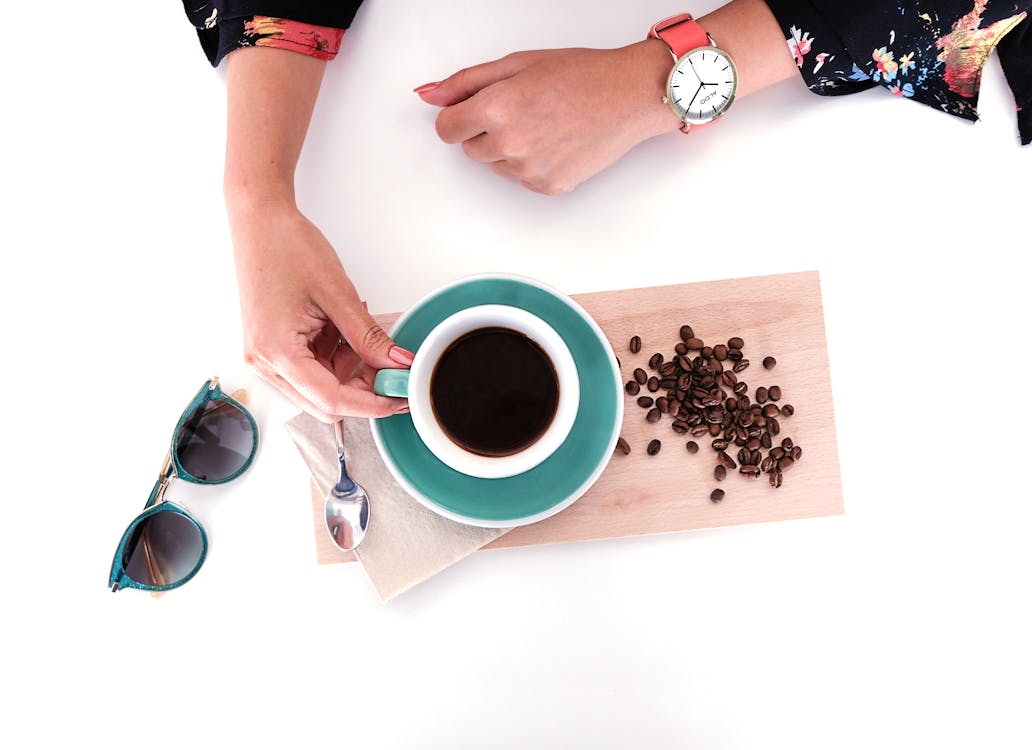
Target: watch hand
<point>693,97</point>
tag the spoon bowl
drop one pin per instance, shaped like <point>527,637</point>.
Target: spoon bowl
<point>347,505</point>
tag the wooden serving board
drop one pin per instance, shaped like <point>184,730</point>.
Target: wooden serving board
<point>780,316</point>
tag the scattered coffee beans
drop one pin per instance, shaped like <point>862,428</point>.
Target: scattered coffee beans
<point>623,446</point>
<point>700,388</point>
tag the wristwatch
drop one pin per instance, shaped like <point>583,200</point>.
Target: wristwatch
<point>703,81</point>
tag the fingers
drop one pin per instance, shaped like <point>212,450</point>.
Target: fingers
<point>465,83</point>
<point>361,331</point>
<point>328,398</point>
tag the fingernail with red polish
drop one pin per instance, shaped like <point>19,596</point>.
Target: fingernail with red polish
<point>426,87</point>
<point>401,356</point>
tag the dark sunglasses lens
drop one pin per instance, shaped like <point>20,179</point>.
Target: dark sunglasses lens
<point>215,442</point>
<point>164,549</point>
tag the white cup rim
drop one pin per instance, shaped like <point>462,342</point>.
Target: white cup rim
<point>434,437</point>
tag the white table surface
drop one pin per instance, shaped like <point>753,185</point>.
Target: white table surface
<point>902,624</point>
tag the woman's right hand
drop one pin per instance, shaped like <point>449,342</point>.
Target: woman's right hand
<point>305,329</point>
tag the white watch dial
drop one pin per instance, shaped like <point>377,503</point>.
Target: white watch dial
<point>702,85</point>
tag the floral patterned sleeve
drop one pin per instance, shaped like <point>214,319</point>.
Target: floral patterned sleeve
<point>931,51</point>
<point>311,27</point>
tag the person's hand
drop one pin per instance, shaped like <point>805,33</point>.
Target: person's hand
<point>305,329</point>
<point>553,118</point>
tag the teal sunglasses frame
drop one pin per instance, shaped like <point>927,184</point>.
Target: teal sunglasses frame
<point>171,469</point>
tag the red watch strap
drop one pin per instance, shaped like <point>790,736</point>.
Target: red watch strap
<point>681,33</point>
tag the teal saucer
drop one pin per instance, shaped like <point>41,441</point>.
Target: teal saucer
<point>565,475</point>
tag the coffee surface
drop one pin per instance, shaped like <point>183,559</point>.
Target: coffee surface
<point>494,391</point>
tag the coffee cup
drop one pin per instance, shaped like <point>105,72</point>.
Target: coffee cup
<point>493,390</point>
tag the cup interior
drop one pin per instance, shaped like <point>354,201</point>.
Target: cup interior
<point>429,353</point>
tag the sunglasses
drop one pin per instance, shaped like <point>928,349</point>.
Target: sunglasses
<point>164,547</point>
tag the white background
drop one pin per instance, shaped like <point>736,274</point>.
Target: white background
<point>901,624</point>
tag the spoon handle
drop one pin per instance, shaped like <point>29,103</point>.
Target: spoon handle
<point>345,485</point>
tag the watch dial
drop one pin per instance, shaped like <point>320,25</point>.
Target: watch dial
<point>702,84</point>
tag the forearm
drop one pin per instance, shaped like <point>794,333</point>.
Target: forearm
<point>750,33</point>
<point>270,97</point>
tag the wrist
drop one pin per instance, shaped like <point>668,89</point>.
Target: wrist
<point>248,198</point>
<point>653,62</point>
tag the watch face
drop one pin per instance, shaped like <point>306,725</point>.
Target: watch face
<point>702,85</point>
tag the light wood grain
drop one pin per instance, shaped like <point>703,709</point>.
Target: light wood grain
<point>781,316</point>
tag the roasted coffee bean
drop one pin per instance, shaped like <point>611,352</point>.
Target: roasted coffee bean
<point>635,345</point>
<point>663,404</point>
<point>759,420</point>
<point>674,408</point>
<point>773,426</point>
<point>714,429</point>
<point>726,460</point>
<point>692,446</point>
<point>731,404</point>
<point>681,348</point>
<point>632,387</point>
<point>623,446</point>
<point>765,440</point>
<point>797,453</point>
<point>679,426</point>
<point>686,364</point>
<point>667,369</point>
<point>753,444</point>
<point>668,383</point>
<point>774,392</point>
<point>653,415</point>
<point>720,352</point>
<point>694,419</point>
<point>769,362</point>
<point>653,447</point>
<point>653,384</point>
<point>785,462</point>
<point>684,382</point>
<point>734,354</point>
<point>735,343</point>
<point>644,401</point>
<point>771,410</point>
<point>707,352</point>
<point>719,473</point>
<point>717,495</point>
<point>743,456</point>
<point>694,343</point>
<point>719,444</point>
<point>787,410</point>
<point>640,375</point>
<point>655,360</point>
<point>761,395</point>
<point>686,332</point>
<point>741,365</point>
<point>777,452</point>
<point>787,444</point>
<point>743,401</point>
<point>680,394</point>
<point>767,464</point>
<point>775,478</point>
<point>740,388</point>
<point>700,430</point>
<point>750,470</point>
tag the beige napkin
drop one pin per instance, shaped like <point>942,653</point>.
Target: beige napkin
<point>405,543</point>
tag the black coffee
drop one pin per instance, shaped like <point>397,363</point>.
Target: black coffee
<point>494,391</point>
